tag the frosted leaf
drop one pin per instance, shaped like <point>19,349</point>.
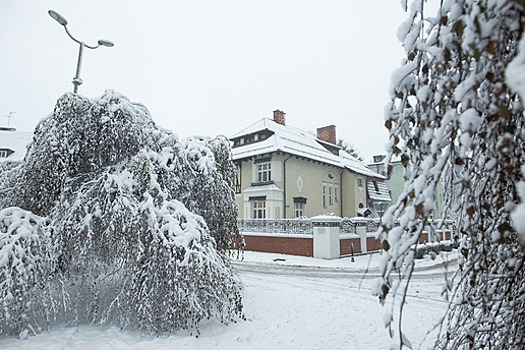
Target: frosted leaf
<point>387,319</point>
<point>515,73</point>
<point>518,214</point>
<point>469,120</point>
<point>405,341</point>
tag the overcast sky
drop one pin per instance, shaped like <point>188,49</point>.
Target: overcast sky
<point>209,67</point>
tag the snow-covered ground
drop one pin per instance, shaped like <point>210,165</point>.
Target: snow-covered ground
<point>290,302</point>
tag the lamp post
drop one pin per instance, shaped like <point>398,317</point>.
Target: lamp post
<point>62,21</point>
<point>381,208</point>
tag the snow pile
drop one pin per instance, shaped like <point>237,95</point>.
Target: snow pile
<point>131,226</point>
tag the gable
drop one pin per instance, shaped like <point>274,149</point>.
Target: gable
<point>13,144</point>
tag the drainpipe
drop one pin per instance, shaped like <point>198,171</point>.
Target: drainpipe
<point>341,191</point>
<point>284,187</point>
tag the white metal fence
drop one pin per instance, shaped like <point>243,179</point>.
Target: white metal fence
<point>304,225</point>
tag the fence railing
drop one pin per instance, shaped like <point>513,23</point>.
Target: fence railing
<point>347,226</point>
<point>291,226</point>
<point>304,226</point>
<point>296,226</point>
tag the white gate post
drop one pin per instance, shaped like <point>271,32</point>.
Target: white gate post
<point>326,236</point>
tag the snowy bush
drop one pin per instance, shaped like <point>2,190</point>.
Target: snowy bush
<point>26,260</point>
<point>434,248</point>
<point>132,224</point>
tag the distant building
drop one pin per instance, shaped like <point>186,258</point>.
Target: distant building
<point>285,172</point>
<point>13,143</point>
<point>396,181</point>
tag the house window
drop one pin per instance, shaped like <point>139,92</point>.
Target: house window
<point>330,194</point>
<point>359,182</point>
<point>336,193</point>
<point>264,172</point>
<point>3,154</point>
<point>298,209</point>
<point>258,209</point>
<point>299,204</point>
<point>324,194</point>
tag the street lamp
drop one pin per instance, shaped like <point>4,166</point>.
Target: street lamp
<point>62,21</point>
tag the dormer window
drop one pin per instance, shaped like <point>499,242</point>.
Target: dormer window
<point>379,158</point>
<point>3,153</point>
<point>376,188</point>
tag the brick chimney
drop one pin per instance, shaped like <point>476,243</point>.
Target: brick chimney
<point>327,134</point>
<point>279,117</point>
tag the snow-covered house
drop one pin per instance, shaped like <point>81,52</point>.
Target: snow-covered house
<point>13,143</point>
<point>285,172</point>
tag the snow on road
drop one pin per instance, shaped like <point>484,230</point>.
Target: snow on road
<point>298,303</point>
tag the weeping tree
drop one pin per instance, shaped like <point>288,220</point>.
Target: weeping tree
<point>110,219</point>
<point>454,118</point>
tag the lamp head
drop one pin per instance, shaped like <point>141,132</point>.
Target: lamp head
<point>106,43</point>
<point>57,17</point>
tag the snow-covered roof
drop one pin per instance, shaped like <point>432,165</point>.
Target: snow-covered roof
<point>394,160</point>
<point>269,187</point>
<point>15,142</point>
<point>291,140</point>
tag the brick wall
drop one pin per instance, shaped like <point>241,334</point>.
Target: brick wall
<point>294,245</point>
<point>345,245</point>
<point>372,244</point>
<point>303,244</point>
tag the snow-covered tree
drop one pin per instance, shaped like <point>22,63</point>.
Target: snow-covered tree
<point>349,148</point>
<point>454,115</point>
<point>112,220</point>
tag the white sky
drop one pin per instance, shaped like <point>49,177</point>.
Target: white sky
<point>209,67</point>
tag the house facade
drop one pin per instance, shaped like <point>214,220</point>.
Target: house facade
<point>284,172</point>
<point>13,143</point>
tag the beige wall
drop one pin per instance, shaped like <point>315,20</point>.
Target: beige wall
<point>305,179</point>
<point>353,194</point>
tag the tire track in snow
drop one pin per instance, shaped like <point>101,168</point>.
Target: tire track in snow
<point>338,273</point>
